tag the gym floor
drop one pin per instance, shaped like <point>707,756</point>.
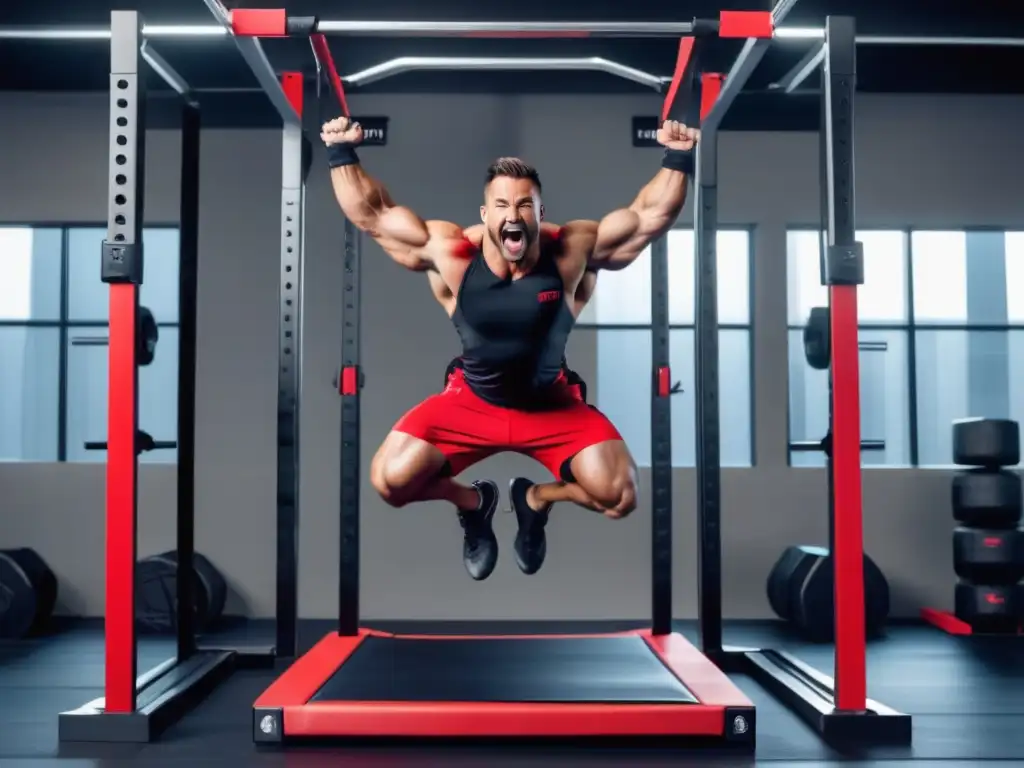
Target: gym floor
<point>966,695</point>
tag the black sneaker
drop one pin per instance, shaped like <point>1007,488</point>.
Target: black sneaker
<point>531,544</point>
<point>479,544</point>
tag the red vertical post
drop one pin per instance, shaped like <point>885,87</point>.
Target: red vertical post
<point>121,268</point>
<point>122,499</point>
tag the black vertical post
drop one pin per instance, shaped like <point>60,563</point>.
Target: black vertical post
<point>661,443</point>
<point>122,268</point>
<point>823,241</point>
<point>289,387</point>
<point>62,364</point>
<point>709,472</point>
<point>349,384</point>
<point>188,267</point>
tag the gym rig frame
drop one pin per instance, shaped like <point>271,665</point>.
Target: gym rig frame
<point>135,710</point>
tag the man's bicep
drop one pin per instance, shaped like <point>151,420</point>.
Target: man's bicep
<point>416,246</point>
<point>622,236</point>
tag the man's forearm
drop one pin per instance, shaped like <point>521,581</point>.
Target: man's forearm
<point>363,199</point>
<point>662,197</point>
<point>366,202</point>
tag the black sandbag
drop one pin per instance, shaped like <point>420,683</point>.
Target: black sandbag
<point>156,593</point>
<point>780,577</point>
<point>986,442</point>
<point>804,586</point>
<point>990,609</point>
<point>28,593</point>
<point>987,498</point>
<point>989,555</point>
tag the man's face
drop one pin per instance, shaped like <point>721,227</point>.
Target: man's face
<point>512,213</point>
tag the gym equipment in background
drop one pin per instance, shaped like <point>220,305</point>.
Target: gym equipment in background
<point>801,588</point>
<point>988,545</point>
<point>146,337</point>
<point>156,593</point>
<point>144,442</point>
<point>28,593</point>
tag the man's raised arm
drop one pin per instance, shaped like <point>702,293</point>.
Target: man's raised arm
<point>408,239</point>
<point>623,234</point>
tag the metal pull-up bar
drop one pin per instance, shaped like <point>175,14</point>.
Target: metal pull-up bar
<point>484,29</point>
<point>405,64</point>
<point>258,22</point>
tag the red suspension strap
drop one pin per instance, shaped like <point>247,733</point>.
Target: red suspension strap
<point>323,53</point>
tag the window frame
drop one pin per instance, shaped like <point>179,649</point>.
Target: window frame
<point>750,230</point>
<point>63,324</point>
<point>910,327</point>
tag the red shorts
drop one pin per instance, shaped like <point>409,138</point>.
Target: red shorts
<point>468,429</point>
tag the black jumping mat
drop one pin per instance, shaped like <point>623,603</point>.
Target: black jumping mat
<point>563,670</point>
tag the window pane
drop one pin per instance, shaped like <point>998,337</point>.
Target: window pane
<point>1015,277</point>
<point>88,296</point>
<point>734,381</point>
<point>1015,374</point>
<point>29,273</point>
<point>624,386</point>
<point>29,393</point>
<point>87,397</point>
<point>884,404</point>
<point>940,276</point>
<point>964,374</point>
<point>733,262</point>
<point>942,392</point>
<point>624,297</point>
<point>882,298</point>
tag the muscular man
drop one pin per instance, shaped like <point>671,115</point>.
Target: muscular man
<point>513,286</point>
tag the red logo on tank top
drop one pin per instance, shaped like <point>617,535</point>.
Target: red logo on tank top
<point>546,296</point>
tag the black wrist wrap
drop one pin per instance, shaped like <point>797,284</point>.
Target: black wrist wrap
<point>341,154</point>
<point>678,160</point>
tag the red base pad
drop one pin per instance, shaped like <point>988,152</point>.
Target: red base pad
<point>723,710</point>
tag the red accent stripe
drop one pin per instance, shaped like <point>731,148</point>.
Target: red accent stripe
<point>350,380</point>
<point>122,498</point>
<point>291,84</point>
<point>946,621</point>
<point>708,683</point>
<point>664,382</point>
<point>682,61</point>
<point>297,684</point>
<point>746,24</point>
<point>259,22</point>
<point>430,719</point>
<point>848,544</point>
<point>323,52</point>
<point>711,86</point>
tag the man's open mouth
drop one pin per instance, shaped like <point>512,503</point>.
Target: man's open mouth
<point>513,237</point>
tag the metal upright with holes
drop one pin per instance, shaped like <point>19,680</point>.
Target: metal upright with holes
<point>351,476</point>
<point>289,385</point>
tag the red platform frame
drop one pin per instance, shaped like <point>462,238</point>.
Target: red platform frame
<point>285,710</point>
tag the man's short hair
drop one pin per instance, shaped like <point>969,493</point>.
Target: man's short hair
<point>514,168</point>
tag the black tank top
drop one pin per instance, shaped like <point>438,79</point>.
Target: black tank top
<point>513,333</point>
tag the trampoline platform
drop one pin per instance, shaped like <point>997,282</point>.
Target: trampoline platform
<point>616,685</point>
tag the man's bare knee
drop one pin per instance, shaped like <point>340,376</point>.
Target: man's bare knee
<point>401,468</point>
<point>620,500</point>
<point>391,491</point>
